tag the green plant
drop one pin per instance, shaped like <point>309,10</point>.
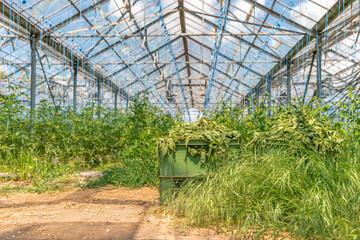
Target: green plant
<point>315,196</point>
<point>216,135</point>
<point>296,174</point>
<point>93,138</point>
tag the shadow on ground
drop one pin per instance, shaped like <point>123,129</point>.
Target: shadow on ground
<point>80,196</point>
<point>72,231</point>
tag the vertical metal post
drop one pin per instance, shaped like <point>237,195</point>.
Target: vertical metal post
<point>257,94</point>
<point>318,63</point>
<point>127,101</point>
<point>75,86</point>
<point>115,100</point>
<point>99,92</point>
<point>33,77</point>
<point>251,96</point>
<point>288,81</point>
<point>248,103</point>
<point>308,78</point>
<point>269,86</point>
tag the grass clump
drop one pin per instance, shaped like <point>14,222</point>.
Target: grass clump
<point>130,173</point>
<point>312,196</point>
<point>27,171</point>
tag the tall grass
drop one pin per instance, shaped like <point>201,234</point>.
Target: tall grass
<point>313,196</point>
<point>130,173</point>
<point>37,174</point>
<point>297,175</point>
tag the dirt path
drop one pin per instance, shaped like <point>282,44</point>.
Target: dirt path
<point>119,213</point>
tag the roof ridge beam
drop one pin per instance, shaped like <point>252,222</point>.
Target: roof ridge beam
<point>185,44</point>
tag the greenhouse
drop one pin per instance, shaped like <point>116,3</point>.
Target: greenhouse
<point>179,119</point>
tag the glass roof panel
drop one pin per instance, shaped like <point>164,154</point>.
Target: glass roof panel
<point>108,37</point>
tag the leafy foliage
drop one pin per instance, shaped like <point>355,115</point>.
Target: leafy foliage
<point>298,128</point>
<point>216,135</point>
<point>90,139</point>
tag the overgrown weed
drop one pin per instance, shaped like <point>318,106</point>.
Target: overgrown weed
<point>61,143</point>
<point>298,173</point>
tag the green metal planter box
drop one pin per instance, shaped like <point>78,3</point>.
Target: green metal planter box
<point>177,166</point>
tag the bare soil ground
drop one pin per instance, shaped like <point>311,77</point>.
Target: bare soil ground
<point>105,213</point>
